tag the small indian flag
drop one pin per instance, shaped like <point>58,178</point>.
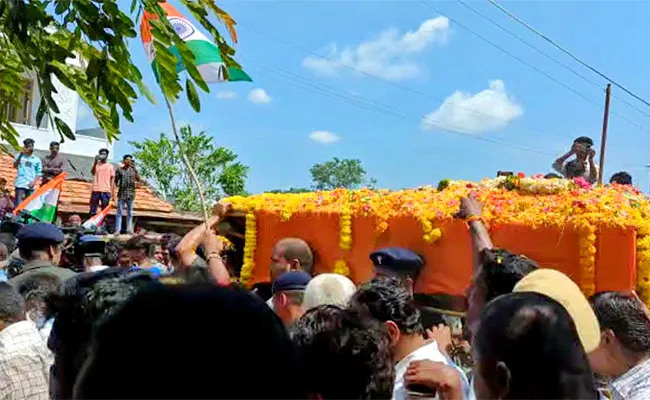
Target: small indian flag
<point>207,56</point>
<point>43,202</point>
<point>97,220</point>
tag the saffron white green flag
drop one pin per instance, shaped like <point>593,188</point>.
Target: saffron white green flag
<point>207,56</point>
<point>43,202</point>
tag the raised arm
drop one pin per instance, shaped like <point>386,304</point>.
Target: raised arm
<point>17,160</point>
<point>186,248</point>
<point>593,169</point>
<point>558,165</point>
<point>470,211</point>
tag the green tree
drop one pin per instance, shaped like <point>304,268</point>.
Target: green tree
<point>217,168</point>
<point>38,36</point>
<point>340,173</point>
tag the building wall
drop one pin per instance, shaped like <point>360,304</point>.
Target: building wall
<point>68,102</point>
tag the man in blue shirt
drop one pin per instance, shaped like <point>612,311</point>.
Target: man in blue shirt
<point>29,171</point>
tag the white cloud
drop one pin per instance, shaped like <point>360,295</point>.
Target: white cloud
<point>388,56</point>
<point>324,137</point>
<point>488,110</point>
<point>259,96</point>
<point>226,95</point>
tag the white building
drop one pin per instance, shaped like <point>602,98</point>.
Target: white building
<point>88,141</point>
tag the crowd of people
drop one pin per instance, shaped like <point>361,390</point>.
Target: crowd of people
<point>167,319</point>
<point>108,182</point>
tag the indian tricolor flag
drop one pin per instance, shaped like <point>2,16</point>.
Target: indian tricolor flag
<point>43,202</point>
<point>97,220</point>
<point>207,56</point>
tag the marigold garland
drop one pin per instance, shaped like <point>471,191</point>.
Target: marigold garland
<point>529,201</point>
<point>643,266</point>
<point>249,248</point>
<point>341,268</point>
<point>587,233</point>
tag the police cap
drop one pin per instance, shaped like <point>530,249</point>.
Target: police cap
<point>292,280</point>
<point>397,259</point>
<point>40,232</point>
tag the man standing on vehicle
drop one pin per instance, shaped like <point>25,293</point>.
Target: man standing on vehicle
<point>52,163</point>
<point>583,165</point>
<point>103,182</point>
<point>125,179</point>
<point>29,171</point>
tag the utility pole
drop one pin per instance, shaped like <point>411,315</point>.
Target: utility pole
<point>603,139</point>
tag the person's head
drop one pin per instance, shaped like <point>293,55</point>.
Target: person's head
<point>386,300</point>
<point>288,292</point>
<point>40,241</point>
<point>74,220</point>
<point>103,155</point>
<point>138,249</point>
<point>35,291</point>
<point>621,178</point>
<point>581,146</point>
<point>398,262</point>
<point>343,355</point>
<point>498,274</point>
<point>124,260</point>
<point>625,333</point>
<point>3,183</point>
<point>552,176</point>
<point>209,322</point>
<point>111,257</point>
<point>54,148</point>
<point>82,303</point>
<point>4,252</point>
<point>333,289</point>
<point>28,146</point>
<point>12,306</point>
<point>155,252</point>
<point>291,254</point>
<point>168,245</point>
<point>527,347</point>
<point>127,160</point>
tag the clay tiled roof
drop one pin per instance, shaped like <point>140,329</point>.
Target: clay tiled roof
<point>75,196</point>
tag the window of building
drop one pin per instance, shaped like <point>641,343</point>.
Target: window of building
<point>23,114</point>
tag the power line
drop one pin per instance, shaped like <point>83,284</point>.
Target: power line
<point>269,36</point>
<point>567,52</point>
<point>533,67</point>
<point>381,108</point>
<point>555,60</point>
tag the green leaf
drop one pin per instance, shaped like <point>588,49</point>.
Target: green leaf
<point>42,110</point>
<point>63,128</point>
<point>115,117</point>
<point>134,3</point>
<point>144,90</point>
<point>61,6</point>
<point>192,96</point>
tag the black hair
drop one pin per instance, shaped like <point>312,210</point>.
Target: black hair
<point>138,243</point>
<point>197,317</point>
<point>28,142</point>
<point>111,255</point>
<point>170,243</point>
<point>626,317</point>
<point>536,338</point>
<point>103,151</point>
<point>386,299</point>
<point>584,140</point>
<point>28,249</point>
<point>552,176</point>
<point>127,156</point>
<point>343,355</point>
<point>35,290</point>
<point>501,270</point>
<point>622,178</point>
<point>12,305</point>
<point>54,144</point>
<point>81,304</point>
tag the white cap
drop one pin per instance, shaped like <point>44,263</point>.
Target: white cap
<point>333,289</point>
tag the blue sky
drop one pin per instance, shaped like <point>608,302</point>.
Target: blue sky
<point>397,62</point>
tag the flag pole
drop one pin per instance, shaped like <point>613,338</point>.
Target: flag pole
<point>187,162</point>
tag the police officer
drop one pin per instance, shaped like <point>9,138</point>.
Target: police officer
<point>93,249</point>
<point>398,262</point>
<point>40,247</point>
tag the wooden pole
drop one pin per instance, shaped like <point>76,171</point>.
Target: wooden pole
<point>603,139</point>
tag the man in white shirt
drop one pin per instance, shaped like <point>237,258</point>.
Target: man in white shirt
<point>24,358</point>
<point>386,300</point>
<point>583,165</point>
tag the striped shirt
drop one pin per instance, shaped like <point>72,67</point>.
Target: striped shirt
<point>24,363</point>
<point>634,384</point>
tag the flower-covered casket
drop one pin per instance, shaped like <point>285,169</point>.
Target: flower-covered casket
<point>600,237</point>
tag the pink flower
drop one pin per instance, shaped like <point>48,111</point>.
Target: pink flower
<point>582,183</point>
